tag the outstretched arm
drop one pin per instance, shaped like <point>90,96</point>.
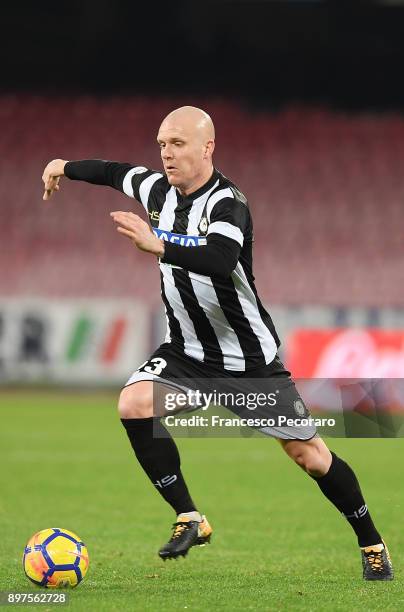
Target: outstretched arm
<point>95,171</point>
<point>122,176</point>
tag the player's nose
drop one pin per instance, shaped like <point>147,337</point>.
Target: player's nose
<point>167,152</point>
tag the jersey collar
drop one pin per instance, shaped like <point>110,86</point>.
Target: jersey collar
<point>195,194</point>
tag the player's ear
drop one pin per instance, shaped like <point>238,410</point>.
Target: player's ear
<point>209,148</point>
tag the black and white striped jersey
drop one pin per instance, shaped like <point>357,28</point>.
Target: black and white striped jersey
<point>214,318</point>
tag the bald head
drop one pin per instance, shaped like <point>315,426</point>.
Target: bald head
<point>193,119</point>
<point>187,140</point>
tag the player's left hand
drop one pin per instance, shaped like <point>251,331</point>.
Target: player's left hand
<point>138,232</point>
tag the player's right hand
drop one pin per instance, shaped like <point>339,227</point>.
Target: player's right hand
<point>51,176</point>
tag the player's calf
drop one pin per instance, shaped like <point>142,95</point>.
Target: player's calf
<point>153,446</point>
<point>339,484</point>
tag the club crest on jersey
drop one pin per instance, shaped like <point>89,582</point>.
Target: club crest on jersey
<point>300,408</point>
<point>203,226</point>
<point>181,239</point>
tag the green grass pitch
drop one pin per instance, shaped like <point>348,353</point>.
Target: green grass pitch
<point>277,543</point>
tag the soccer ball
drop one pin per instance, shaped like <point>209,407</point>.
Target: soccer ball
<point>55,558</point>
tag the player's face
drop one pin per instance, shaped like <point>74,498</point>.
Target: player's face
<point>183,155</point>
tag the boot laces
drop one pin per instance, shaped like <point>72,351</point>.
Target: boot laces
<point>179,529</point>
<point>375,560</point>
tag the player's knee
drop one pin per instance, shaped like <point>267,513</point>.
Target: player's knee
<point>312,463</point>
<point>301,459</point>
<point>310,458</point>
<point>136,402</point>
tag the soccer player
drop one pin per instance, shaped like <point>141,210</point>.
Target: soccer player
<point>217,327</point>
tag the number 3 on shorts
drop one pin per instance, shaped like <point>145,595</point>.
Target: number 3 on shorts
<point>158,366</point>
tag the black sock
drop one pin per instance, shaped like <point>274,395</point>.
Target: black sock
<point>158,455</point>
<point>341,487</point>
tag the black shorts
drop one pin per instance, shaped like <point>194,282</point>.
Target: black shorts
<point>267,396</point>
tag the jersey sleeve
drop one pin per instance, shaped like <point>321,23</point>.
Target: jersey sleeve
<point>228,216</point>
<point>135,181</point>
<point>138,182</point>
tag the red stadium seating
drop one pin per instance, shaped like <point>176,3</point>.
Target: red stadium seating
<point>326,191</point>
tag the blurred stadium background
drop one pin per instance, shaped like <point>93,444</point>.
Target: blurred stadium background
<point>307,98</point>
